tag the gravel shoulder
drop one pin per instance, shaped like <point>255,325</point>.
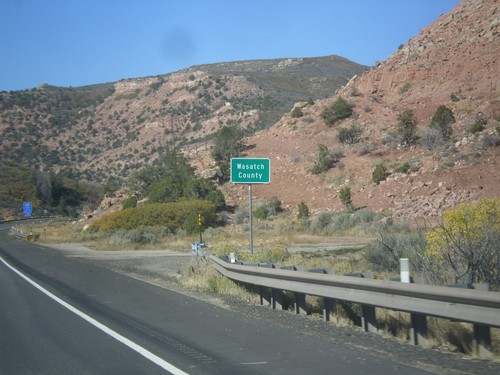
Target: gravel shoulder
<point>162,268</point>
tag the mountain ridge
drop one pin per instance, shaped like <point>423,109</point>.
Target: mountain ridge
<point>45,126</point>
<point>452,63</point>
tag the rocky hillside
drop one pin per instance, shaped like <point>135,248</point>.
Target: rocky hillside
<point>454,62</point>
<point>109,130</point>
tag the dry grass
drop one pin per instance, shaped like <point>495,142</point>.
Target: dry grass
<point>270,239</point>
<point>55,231</point>
<point>205,278</point>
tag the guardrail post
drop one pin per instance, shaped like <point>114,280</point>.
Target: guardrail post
<point>368,318</point>
<point>277,299</point>
<point>481,342</point>
<point>265,295</point>
<point>299,304</point>
<point>418,330</point>
<point>329,307</point>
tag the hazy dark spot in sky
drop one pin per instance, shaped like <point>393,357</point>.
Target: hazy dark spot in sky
<point>179,46</point>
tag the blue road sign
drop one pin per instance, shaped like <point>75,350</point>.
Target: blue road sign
<point>27,208</point>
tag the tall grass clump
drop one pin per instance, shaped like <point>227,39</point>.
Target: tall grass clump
<point>394,243</point>
<point>321,222</point>
<point>328,223</point>
<point>205,278</point>
<point>140,235</point>
<point>276,254</point>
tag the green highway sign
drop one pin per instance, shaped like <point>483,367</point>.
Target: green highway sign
<point>250,171</point>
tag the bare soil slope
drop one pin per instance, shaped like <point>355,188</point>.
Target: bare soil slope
<point>453,62</point>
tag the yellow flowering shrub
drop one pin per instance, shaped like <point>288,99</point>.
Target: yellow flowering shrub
<point>468,241</point>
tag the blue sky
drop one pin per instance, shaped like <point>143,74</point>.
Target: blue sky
<point>80,42</point>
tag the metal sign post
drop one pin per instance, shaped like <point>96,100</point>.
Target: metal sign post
<point>250,171</point>
<point>199,226</point>
<point>250,216</point>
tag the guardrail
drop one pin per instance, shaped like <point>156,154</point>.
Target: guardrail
<point>26,221</point>
<point>481,308</point>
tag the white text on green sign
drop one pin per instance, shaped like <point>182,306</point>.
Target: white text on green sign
<point>250,171</point>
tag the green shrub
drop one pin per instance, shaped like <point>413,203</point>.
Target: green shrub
<point>479,124</point>
<point>490,140</point>
<point>269,209</point>
<point>261,212</point>
<point>456,96</point>
<point>227,144</point>
<point>173,216</point>
<point>141,235</point>
<point>467,242</point>
<point>204,189</point>
<point>303,210</point>
<point>366,148</point>
<point>297,112</point>
<point>130,202</point>
<point>167,190</point>
<point>275,205</point>
<point>476,128</point>
<point>379,173</point>
<point>364,221</point>
<point>327,223</point>
<point>442,120</point>
<point>432,138</point>
<point>404,88</point>
<point>155,86</point>
<point>321,222</point>
<point>403,168</point>
<point>350,135</point>
<point>241,215</point>
<point>324,160</point>
<point>345,197</point>
<point>407,127</point>
<point>396,243</point>
<point>340,109</point>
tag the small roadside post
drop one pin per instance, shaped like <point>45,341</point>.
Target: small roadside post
<point>199,225</point>
<point>250,171</point>
<point>404,270</point>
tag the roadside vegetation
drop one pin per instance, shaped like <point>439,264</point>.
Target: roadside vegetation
<point>169,207</point>
<point>50,193</point>
<point>462,250</point>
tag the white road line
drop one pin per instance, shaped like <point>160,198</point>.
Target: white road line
<point>255,363</point>
<point>132,345</point>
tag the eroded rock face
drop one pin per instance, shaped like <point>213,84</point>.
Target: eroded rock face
<point>456,55</point>
<point>453,62</point>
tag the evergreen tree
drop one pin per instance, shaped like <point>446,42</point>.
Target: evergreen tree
<point>228,144</point>
<point>407,127</point>
<point>442,120</point>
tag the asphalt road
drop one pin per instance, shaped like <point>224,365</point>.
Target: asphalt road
<point>40,336</point>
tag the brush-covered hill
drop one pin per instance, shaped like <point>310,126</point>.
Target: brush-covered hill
<point>108,130</point>
<point>455,63</point>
